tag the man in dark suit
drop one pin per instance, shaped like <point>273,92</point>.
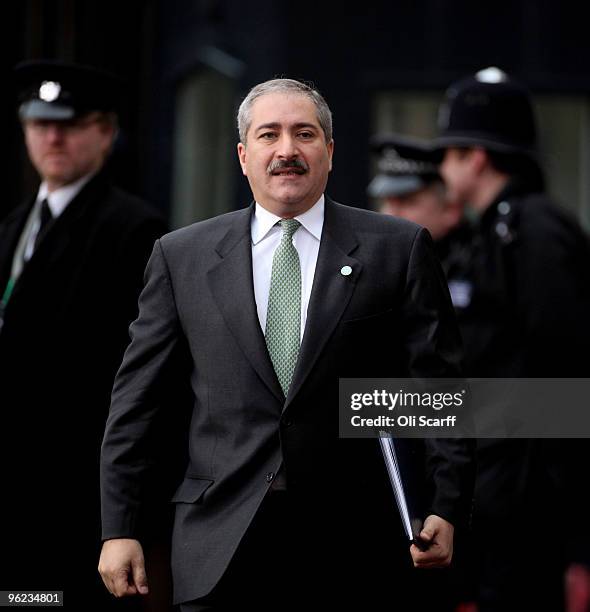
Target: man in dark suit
<point>71,266</point>
<point>269,306</point>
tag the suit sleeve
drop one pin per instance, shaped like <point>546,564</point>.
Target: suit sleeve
<point>125,457</point>
<point>434,350</point>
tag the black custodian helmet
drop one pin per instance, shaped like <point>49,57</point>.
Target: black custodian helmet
<point>490,110</point>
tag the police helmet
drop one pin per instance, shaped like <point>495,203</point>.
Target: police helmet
<point>405,165</point>
<point>491,110</point>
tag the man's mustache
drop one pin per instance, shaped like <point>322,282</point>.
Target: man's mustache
<point>291,164</point>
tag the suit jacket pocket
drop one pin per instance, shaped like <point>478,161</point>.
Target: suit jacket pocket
<point>387,316</point>
<point>191,490</point>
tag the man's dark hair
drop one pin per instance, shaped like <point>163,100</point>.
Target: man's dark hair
<point>521,168</point>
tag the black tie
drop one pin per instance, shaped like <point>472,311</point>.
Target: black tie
<point>46,217</point>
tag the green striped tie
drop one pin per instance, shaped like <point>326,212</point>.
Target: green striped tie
<point>283,317</point>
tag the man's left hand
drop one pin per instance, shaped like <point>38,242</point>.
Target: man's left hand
<point>438,534</point>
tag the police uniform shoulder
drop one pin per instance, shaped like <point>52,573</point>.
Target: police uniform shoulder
<point>542,210</point>
<point>534,207</point>
<point>119,210</point>
<point>130,202</point>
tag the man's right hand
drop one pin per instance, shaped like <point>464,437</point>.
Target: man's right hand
<point>122,567</point>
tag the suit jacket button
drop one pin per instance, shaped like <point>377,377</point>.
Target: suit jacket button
<point>287,423</point>
<point>270,476</point>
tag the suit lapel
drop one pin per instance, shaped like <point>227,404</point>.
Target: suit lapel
<point>231,284</point>
<point>330,293</point>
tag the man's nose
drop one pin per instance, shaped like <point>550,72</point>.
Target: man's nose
<point>287,148</point>
<point>54,132</point>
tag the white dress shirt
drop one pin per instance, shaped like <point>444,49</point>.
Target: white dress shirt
<point>266,236</point>
<point>57,201</point>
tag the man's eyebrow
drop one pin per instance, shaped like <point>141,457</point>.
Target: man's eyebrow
<point>268,126</point>
<point>312,126</point>
<point>276,125</point>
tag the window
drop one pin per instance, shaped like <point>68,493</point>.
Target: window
<point>204,147</point>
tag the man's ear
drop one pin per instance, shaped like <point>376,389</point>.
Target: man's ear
<point>330,147</point>
<point>242,157</point>
<point>479,159</point>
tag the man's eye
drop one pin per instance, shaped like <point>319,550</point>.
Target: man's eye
<point>267,135</point>
<point>305,135</point>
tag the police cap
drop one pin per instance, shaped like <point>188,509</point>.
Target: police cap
<point>488,109</point>
<point>59,91</point>
<point>406,165</point>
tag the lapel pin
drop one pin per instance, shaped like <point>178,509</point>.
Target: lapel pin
<point>346,270</point>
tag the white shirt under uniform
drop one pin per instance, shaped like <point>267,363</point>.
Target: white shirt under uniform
<point>57,201</point>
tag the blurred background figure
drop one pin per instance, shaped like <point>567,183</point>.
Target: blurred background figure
<point>409,185</point>
<point>527,317</point>
<point>71,265</point>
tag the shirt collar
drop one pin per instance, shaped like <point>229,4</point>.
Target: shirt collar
<point>60,198</point>
<point>312,220</point>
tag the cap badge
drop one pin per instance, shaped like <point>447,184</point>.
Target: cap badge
<point>491,75</point>
<point>49,91</point>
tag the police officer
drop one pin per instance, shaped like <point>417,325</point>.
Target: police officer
<point>71,265</point>
<point>409,185</point>
<point>528,317</point>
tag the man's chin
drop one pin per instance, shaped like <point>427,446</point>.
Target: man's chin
<point>294,205</point>
<point>293,198</point>
<point>59,176</point>
<point>56,170</point>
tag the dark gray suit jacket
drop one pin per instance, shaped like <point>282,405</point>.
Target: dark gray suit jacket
<point>391,317</point>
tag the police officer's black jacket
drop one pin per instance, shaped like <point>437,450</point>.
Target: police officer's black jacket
<point>64,334</point>
<point>528,317</point>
